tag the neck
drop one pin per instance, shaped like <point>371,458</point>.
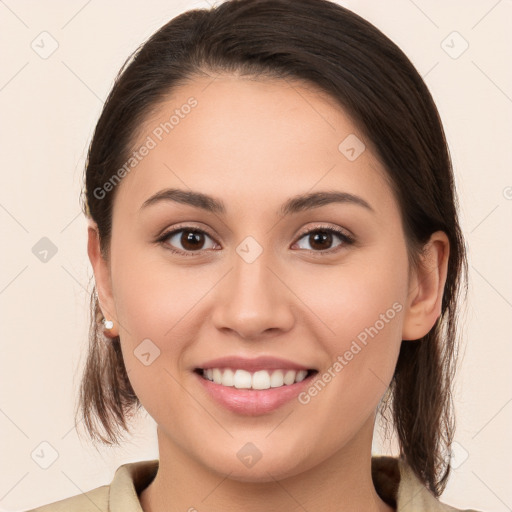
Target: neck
<point>343,482</point>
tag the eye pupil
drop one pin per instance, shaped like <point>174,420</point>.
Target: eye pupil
<point>194,238</point>
<point>323,236</point>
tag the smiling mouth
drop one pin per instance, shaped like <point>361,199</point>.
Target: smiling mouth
<point>259,380</point>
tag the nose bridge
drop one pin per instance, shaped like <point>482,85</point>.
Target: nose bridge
<point>253,300</point>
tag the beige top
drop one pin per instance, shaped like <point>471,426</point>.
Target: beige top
<point>394,481</point>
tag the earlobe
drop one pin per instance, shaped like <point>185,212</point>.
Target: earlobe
<point>102,278</point>
<point>426,288</point>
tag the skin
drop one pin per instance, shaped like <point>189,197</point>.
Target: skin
<point>254,143</point>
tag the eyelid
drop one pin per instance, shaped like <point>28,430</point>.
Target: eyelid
<point>322,226</point>
<point>183,226</point>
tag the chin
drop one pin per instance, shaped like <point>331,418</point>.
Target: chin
<point>266,469</point>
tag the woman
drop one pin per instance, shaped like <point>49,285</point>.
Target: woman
<point>277,256</point>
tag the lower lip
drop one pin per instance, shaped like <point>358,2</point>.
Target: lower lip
<point>252,402</point>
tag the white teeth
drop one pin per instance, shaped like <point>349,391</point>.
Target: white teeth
<point>301,375</point>
<point>242,379</point>
<point>277,379</point>
<point>228,378</point>
<point>217,376</point>
<point>262,379</point>
<point>289,377</point>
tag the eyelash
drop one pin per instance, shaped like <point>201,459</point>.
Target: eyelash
<point>346,239</point>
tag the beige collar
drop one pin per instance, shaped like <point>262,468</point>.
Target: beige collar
<point>394,481</point>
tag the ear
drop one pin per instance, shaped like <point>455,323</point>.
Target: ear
<point>426,287</point>
<point>102,277</point>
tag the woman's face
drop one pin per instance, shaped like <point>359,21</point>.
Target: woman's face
<point>250,283</point>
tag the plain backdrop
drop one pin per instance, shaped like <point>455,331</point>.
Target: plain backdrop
<point>58,62</point>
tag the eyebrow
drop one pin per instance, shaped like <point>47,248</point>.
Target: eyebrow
<point>299,203</point>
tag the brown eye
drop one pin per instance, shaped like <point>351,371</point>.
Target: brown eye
<point>191,240</point>
<point>186,240</point>
<point>321,239</point>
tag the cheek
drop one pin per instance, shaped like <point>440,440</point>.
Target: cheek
<point>150,295</point>
<point>361,306</point>
<point>152,305</point>
<point>359,300</point>
<point>152,302</point>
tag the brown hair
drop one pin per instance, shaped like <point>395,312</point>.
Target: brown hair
<point>324,44</point>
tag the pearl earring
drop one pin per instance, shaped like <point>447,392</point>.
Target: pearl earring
<point>108,324</point>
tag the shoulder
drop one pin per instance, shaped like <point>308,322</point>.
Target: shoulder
<point>121,495</point>
<point>95,500</point>
<point>398,485</point>
<point>414,496</point>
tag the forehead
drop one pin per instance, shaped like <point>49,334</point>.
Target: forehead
<point>250,140</point>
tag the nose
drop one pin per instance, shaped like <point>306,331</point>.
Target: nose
<point>253,301</point>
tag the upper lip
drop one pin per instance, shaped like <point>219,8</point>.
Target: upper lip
<point>253,365</point>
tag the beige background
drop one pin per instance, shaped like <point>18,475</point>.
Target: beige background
<point>48,110</point>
